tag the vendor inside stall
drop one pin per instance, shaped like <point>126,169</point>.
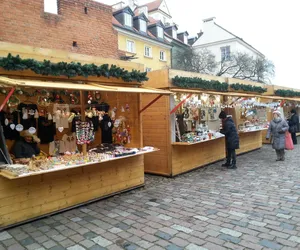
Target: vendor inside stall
<point>26,147</point>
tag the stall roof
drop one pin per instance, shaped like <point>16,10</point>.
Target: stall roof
<point>281,98</point>
<point>6,82</point>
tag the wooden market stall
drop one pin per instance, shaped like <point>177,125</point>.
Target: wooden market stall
<point>159,123</point>
<point>82,177</point>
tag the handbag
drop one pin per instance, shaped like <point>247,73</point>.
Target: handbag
<point>289,145</point>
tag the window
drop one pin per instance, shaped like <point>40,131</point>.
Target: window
<point>130,46</point>
<point>185,39</point>
<point>162,55</point>
<point>148,69</point>
<point>143,26</point>
<point>225,53</point>
<point>160,32</point>
<point>174,34</point>
<point>128,19</point>
<point>50,6</point>
<point>148,51</point>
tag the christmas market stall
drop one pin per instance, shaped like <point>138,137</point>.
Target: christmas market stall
<point>71,133</point>
<point>185,126</point>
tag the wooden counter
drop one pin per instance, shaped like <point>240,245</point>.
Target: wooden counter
<point>30,197</point>
<point>250,141</point>
<point>195,155</point>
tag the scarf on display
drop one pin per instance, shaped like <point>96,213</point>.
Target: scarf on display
<point>84,132</point>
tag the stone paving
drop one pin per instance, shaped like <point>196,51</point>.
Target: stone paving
<point>253,207</point>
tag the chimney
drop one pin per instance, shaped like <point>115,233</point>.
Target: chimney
<point>208,23</point>
<point>133,4</point>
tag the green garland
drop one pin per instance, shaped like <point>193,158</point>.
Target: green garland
<point>199,83</point>
<point>287,93</point>
<point>72,69</point>
<point>248,88</point>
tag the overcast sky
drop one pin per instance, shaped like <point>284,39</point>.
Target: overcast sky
<point>271,26</point>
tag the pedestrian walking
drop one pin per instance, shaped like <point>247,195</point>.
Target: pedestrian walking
<point>294,125</point>
<point>277,128</point>
<point>231,138</point>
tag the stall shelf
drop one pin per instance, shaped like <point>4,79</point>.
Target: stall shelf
<point>41,193</point>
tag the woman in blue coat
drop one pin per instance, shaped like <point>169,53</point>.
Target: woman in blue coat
<point>231,138</point>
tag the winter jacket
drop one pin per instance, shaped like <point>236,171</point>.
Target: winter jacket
<point>23,149</point>
<point>278,128</point>
<point>294,124</point>
<point>231,134</point>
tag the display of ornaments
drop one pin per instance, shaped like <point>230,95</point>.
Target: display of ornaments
<point>60,129</point>
<point>12,126</point>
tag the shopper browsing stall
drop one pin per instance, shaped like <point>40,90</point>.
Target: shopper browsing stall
<point>278,127</point>
<point>231,138</point>
<point>294,125</point>
<point>26,147</point>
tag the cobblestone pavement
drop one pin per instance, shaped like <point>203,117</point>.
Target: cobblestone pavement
<point>253,207</point>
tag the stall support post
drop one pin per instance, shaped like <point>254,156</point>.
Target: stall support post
<point>82,104</point>
<point>7,98</point>
<point>182,102</point>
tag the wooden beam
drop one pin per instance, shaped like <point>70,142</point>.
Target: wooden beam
<point>7,98</point>
<point>150,103</point>
<point>182,102</point>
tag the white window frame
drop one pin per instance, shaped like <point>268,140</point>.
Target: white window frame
<point>162,56</point>
<point>145,26</point>
<point>148,53</point>
<point>160,33</point>
<point>225,53</point>
<point>148,69</point>
<point>133,46</point>
<point>127,20</point>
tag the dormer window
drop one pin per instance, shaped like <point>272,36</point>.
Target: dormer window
<point>128,20</point>
<point>160,32</point>
<point>185,39</point>
<point>143,26</point>
<point>174,33</point>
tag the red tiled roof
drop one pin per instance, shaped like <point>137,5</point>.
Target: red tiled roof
<point>153,5</point>
<point>152,20</point>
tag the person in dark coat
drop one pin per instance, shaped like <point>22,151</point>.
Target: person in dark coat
<point>26,148</point>
<point>231,138</point>
<point>278,126</point>
<point>294,125</point>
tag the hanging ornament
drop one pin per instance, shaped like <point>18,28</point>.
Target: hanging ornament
<point>122,109</point>
<point>6,122</point>
<point>97,96</point>
<point>60,129</point>
<point>31,112</point>
<point>3,91</point>
<point>50,117</point>
<point>32,130</point>
<point>127,107</point>
<point>25,114</point>
<point>12,126</point>
<point>36,114</point>
<point>19,127</point>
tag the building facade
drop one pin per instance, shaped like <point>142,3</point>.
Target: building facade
<point>78,26</point>
<point>221,42</point>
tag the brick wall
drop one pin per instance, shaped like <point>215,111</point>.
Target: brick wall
<point>25,22</point>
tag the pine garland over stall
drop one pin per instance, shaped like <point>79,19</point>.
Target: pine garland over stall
<point>73,69</point>
<point>287,93</point>
<point>214,85</point>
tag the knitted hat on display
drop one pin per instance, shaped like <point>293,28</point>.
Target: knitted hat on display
<point>222,115</point>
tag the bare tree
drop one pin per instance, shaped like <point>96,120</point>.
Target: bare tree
<point>201,61</point>
<point>239,65</point>
<point>246,67</point>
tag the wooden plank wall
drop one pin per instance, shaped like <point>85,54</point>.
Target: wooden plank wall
<point>30,197</point>
<point>156,132</point>
<point>186,158</point>
<point>250,141</point>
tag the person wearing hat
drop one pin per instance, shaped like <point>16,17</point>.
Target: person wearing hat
<point>231,138</point>
<point>294,125</point>
<point>277,128</point>
<point>26,147</point>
